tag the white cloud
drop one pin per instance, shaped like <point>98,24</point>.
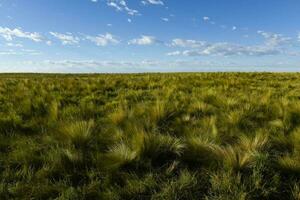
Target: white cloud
<point>103,40</point>
<point>121,5</point>
<point>144,40</point>
<point>187,43</point>
<point>87,66</point>
<point>174,53</point>
<point>114,5</point>
<point>227,49</point>
<point>234,28</point>
<point>154,2</point>
<point>274,44</point>
<point>165,19</point>
<point>129,20</point>
<point>49,43</point>
<point>205,18</point>
<point>9,34</point>
<point>202,48</point>
<point>10,52</point>
<point>94,66</point>
<point>31,52</point>
<point>94,1</point>
<point>14,45</point>
<point>273,39</point>
<point>66,39</point>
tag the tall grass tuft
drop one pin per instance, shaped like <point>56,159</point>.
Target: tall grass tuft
<point>226,186</point>
<point>162,148</point>
<point>290,164</point>
<point>53,111</point>
<point>236,159</point>
<point>258,142</point>
<point>79,133</point>
<point>118,156</point>
<point>202,151</point>
<point>296,191</point>
<point>184,187</point>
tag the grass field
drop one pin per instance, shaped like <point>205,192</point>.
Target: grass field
<point>212,136</point>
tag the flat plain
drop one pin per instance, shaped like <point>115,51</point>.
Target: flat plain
<point>225,136</point>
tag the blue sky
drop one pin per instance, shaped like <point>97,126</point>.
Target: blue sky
<point>149,35</point>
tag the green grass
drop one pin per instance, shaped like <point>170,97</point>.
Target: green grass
<point>225,136</point>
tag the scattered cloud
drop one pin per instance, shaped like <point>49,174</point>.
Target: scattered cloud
<point>208,20</point>
<point>153,2</point>
<point>9,34</point>
<point>273,39</point>
<point>31,52</point>
<point>227,49</point>
<point>187,43</point>
<point>174,53</point>
<point>11,52</point>
<point>66,39</point>
<point>121,5</point>
<point>144,40</point>
<point>273,44</point>
<point>103,40</point>
<point>165,19</point>
<point>113,66</point>
<point>96,66</point>
<point>49,43</point>
<point>14,45</point>
<point>205,18</point>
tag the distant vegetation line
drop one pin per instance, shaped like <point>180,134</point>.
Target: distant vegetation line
<point>173,136</point>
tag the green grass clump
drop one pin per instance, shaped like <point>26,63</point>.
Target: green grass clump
<point>78,133</point>
<point>185,136</point>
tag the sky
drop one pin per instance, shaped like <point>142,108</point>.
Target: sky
<point>124,36</point>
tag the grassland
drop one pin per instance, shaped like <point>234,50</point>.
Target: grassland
<point>211,136</point>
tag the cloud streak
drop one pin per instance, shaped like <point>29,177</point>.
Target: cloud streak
<point>12,52</point>
<point>188,43</point>
<point>153,2</point>
<point>273,39</point>
<point>9,34</point>
<point>103,40</point>
<point>121,5</point>
<point>227,49</point>
<point>144,40</point>
<point>274,44</point>
<point>66,39</point>
<point>94,66</point>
